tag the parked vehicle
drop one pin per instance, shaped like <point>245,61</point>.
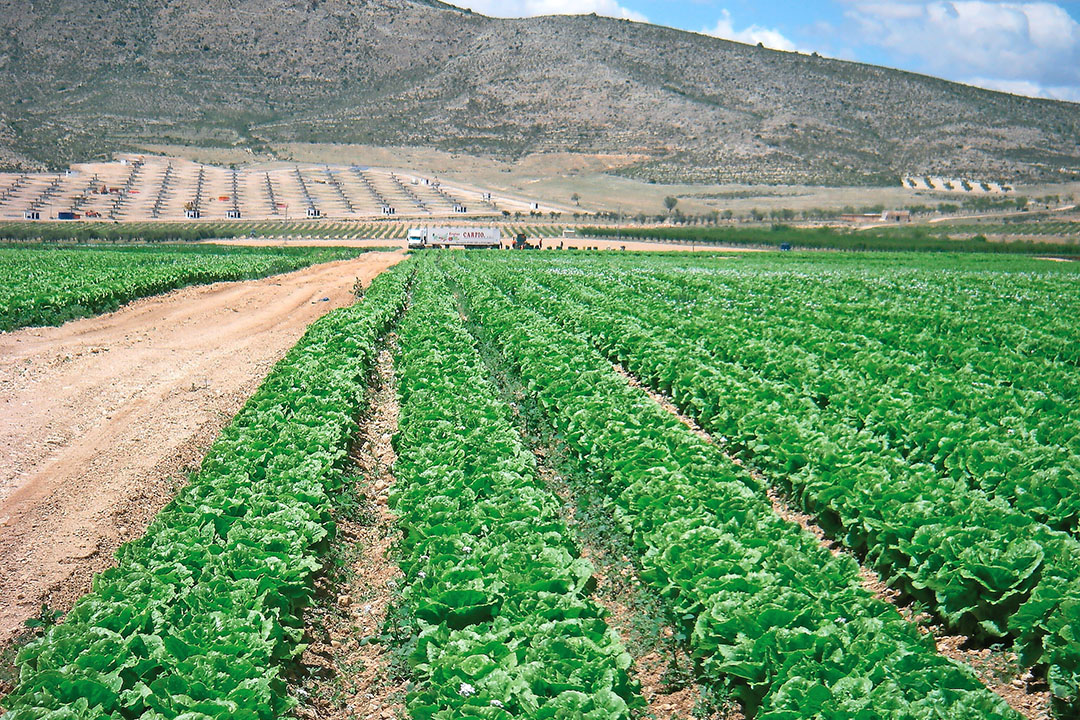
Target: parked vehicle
<point>444,237</point>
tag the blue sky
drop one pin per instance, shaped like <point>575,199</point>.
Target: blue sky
<point>1029,48</point>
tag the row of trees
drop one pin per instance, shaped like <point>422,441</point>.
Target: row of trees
<point>906,239</point>
<point>675,216</point>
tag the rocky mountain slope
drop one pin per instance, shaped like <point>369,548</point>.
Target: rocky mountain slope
<point>82,78</point>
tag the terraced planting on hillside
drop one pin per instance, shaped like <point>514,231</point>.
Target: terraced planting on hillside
<point>48,286</point>
<point>925,416</point>
<point>921,409</point>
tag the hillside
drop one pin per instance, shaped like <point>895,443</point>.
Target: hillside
<point>83,79</point>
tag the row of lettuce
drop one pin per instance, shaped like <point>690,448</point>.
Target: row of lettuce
<point>496,593</point>
<point>202,618</point>
<point>199,617</point>
<point>987,567</point>
<point>42,285</point>
<point>765,609</point>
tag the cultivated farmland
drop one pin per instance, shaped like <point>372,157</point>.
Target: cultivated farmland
<point>50,286</point>
<point>817,486</point>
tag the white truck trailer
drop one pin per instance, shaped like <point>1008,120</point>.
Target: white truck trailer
<point>444,237</point>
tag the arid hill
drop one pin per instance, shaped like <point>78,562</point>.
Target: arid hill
<point>83,79</point>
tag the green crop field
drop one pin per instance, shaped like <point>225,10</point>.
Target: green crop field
<point>1059,228</point>
<point>553,524</point>
<point>125,232</point>
<point>923,238</point>
<point>42,285</point>
<point>190,231</point>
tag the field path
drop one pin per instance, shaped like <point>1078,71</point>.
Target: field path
<point>568,244</point>
<point>102,419</point>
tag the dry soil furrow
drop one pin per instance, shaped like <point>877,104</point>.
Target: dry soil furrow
<point>103,417</point>
<point>662,668</point>
<point>349,674</point>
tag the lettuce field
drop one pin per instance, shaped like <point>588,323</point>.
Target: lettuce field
<point>922,412</point>
<point>51,285</point>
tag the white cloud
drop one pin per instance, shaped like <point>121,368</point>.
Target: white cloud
<point>1030,48</point>
<point>1027,87</point>
<point>752,35</point>
<point>531,8</point>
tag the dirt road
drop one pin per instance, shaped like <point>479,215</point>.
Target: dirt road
<point>102,419</point>
<point>548,243</point>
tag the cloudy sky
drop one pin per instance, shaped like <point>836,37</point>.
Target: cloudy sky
<point>1029,48</point>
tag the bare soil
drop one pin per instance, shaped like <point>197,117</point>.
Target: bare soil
<point>556,176</point>
<point>102,419</point>
<point>669,695</point>
<point>549,243</point>
<point>1000,671</point>
<point>348,665</point>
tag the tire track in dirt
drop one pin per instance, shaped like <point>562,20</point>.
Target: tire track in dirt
<point>663,668</point>
<point>102,419</point>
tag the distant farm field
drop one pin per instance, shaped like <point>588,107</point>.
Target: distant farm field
<point>188,231</point>
<point>50,285</point>
<point>1019,239</point>
<point>102,232</point>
